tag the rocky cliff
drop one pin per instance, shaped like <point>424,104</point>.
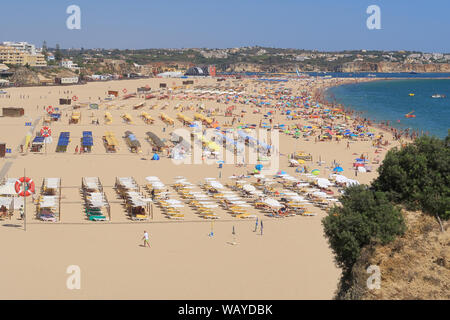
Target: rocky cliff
<point>414,266</point>
<point>393,67</point>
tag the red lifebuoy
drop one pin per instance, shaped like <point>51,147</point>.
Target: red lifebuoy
<point>50,109</point>
<point>46,132</point>
<point>29,187</point>
<point>74,98</point>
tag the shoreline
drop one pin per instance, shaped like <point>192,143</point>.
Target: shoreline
<point>406,134</point>
<point>174,244</point>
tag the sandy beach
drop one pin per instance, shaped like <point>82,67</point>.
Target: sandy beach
<point>291,260</point>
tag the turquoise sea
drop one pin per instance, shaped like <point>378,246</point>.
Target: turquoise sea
<point>390,100</point>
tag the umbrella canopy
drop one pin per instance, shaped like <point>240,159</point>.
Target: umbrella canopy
<point>315,172</point>
<point>248,188</point>
<point>323,183</point>
<point>272,202</point>
<point>338,169</point>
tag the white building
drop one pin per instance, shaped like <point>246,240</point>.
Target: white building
<point>67,80</point>
<point>66,63</point>
<point>22,46</point>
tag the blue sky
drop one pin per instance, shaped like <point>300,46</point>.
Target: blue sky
<point>305,24</point>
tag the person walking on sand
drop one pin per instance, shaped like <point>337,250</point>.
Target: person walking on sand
<point>261,227</point>
<point>145,238</point>
<point>76,149</point>
<point>256,225</point>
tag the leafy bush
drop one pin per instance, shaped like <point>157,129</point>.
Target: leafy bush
<point>418,175</point>
<point>365,216</point>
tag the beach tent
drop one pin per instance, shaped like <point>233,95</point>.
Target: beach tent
<point>37,144</point>
<point>63,142</point>
<point>155,157</point>
<point>110,141</point>
<point>87,141</point>
<point>132,142</point>
<point>155,140</point>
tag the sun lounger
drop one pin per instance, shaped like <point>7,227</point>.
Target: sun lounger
<point>97,218</point>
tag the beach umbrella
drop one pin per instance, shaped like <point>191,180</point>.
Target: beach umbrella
<point>315,172</point>
<point>155,157</point>
<point>259,167</point>
<point>338,169</point>
<point>248,188</point>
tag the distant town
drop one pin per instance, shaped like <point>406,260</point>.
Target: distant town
<point>22,63</point>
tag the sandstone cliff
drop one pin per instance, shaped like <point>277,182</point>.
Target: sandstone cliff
<point>393,67</point>
<point>414,266</point>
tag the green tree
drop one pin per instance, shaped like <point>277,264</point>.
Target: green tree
<point>366,216</point>
<point>58,54</point>
<point>418,176</point>
<point>44,48</point>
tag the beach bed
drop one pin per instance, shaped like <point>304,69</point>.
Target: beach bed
<point>108,118</point>
<point>110,142</point>
<point>147,118</point>
<point>166,119</point>
<point>127,118</point>
<point>75,117</point>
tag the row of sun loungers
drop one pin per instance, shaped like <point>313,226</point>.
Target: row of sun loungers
<point>169,206</point>
<point>48,205</point>
<point>137,205</point>
<point>96,203</point>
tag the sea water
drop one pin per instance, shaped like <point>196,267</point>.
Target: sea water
<point>391,100</point>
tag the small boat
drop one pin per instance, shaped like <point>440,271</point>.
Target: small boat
<point>412,94</point>
<point>413,72</point>
<point>410,115</point>
<point>437,96</point>
<point>372,75</point>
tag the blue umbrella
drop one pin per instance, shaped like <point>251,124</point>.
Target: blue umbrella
<point>259,167</point>
<point>338,169</point>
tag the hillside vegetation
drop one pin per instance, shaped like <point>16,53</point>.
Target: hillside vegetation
<point>376,226</point>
